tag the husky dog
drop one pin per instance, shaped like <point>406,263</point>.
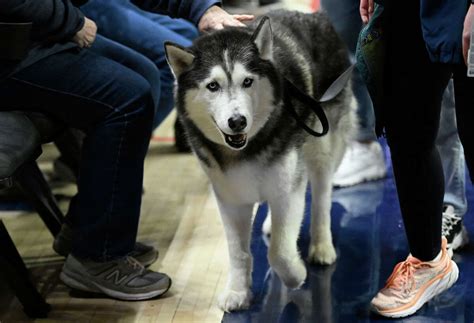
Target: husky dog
<point>230,100</point>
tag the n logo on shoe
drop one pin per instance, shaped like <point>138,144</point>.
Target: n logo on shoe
<point>117,280</point>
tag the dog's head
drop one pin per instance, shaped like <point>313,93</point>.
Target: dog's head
<point>227,84</point>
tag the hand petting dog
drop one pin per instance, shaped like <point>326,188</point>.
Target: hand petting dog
<point>466,34</point>
<point>86,36</point>
<point>217,18</point>
<point>366,10</point>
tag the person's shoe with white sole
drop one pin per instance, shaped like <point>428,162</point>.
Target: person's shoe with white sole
<point>453,229</point>
<point>362,162</point>
<point>124,278</point>
<point>414,282</point>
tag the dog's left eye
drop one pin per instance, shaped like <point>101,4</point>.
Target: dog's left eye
<point>213,86</point>
<point>247,82</point>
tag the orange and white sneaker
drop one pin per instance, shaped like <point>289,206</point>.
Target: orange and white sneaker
<point>414,282</point>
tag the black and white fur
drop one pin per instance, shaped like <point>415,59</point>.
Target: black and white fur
<point>230,97</point>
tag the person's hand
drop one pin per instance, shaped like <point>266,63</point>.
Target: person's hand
<point>466,34</point>
<point>216,18</point>
<point>366,10</point>
<point>86,36</point>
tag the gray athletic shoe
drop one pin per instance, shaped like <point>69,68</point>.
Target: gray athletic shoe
<point>124,278</point>
<point>62,244</point>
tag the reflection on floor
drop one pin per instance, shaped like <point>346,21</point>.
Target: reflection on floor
<point>369,238</point>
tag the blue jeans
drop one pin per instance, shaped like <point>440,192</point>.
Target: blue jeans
<point>452,154</point>
<point>345,16</point>
<point>146,33</point>
<point>133,60</point>
<point>112,104</point>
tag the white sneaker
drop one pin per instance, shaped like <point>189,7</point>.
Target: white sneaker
<point>361,163</point>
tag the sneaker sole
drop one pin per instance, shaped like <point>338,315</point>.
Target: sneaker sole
<point>433,290</point>
<point>92,287</point>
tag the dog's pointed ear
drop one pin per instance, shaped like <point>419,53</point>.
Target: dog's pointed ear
<point>179,58</point>
<point>263,38</point>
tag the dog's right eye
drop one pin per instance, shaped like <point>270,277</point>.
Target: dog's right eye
<point>213,86</point>
<point>247,82</point>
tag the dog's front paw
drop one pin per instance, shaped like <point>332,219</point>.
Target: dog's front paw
<point>231,300</point>
<point>322,253</point>
<point>292,272</point>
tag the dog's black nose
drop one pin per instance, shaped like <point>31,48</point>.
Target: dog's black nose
<point>237,122</point>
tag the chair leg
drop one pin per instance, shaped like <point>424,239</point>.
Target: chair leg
<point>17,275</point>
<point>36,189</point>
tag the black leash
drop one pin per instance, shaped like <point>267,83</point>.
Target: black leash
<point>315,105</point>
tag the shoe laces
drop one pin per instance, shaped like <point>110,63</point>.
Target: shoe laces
<point>353,150</point>
<point>403,277</point>
<point>135,264</point>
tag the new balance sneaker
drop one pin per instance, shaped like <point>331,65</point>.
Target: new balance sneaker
<point>413,283</point>
<point>62,244</point>
<point>124,278</point>
<point>362,162</point>
<point>453,228</point>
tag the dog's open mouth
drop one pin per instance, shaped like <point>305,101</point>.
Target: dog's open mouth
<point>236,141</point>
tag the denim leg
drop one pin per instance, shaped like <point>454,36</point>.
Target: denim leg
<point>452,154</point>
<point>133,60</point>
<point>146,33</point>
<point>345,16</point>
<point>180,27</point>
<point>113,106</point>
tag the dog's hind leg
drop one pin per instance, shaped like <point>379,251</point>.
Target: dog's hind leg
<point>237,221</point>
<point>283,256</point>
<point>321,249</point>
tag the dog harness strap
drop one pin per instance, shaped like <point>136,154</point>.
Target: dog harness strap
<point>334,89</point>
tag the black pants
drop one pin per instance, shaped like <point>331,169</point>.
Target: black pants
<point>414,88</point>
